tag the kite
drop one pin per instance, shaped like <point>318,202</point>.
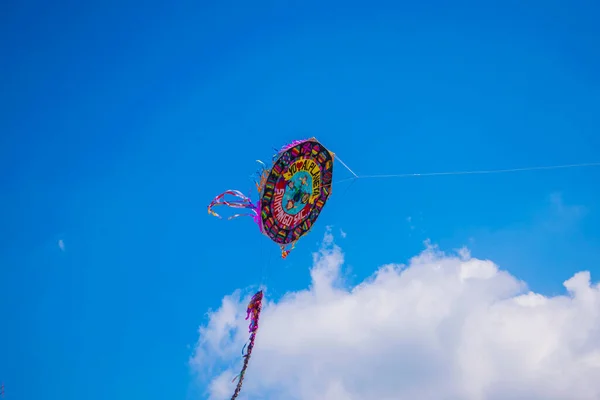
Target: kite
<point>253,312</point>
<point>292,193</point>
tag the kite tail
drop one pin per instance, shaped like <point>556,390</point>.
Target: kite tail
<point>243,202</point>
<point>253,312</point>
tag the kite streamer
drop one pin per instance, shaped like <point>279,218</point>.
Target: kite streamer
<point>253,312</point>
<point>244,202</point>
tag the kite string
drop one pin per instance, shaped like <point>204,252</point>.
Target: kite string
<point>344,164</point>
<point>473,172</point>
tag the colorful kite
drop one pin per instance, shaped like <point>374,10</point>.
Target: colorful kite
<point>292,193</point>
<point>253,312</point>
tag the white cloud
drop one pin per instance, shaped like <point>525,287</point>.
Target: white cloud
<point>442,327</point>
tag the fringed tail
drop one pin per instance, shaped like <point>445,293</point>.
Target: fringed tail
<point>253,312</point>
<point>241,202</point>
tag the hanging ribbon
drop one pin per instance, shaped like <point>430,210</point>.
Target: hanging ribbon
<point>252,312</point>
<point>243,202</point>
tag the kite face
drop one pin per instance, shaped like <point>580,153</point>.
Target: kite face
<point>292,193</point>
<point>296,191</point>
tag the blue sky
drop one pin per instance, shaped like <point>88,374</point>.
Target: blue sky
<point>121,121</point>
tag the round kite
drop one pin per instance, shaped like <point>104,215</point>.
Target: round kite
<point>292,193</point>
